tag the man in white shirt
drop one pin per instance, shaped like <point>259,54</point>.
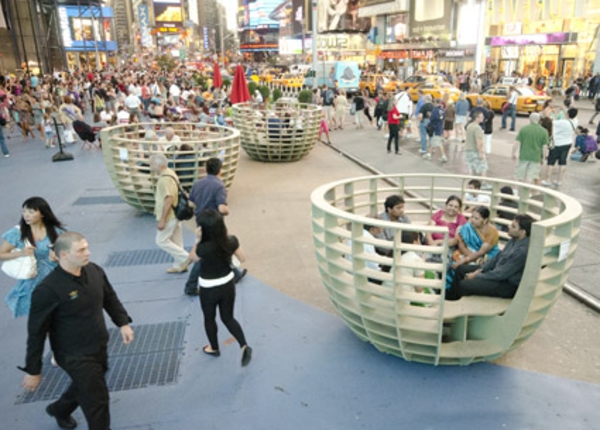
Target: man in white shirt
<point>175,92</point>
<point>511,109</point>
<point>170,139</point>
<point>405,106</point>
<point>133,105</point>
<point>122,116</point>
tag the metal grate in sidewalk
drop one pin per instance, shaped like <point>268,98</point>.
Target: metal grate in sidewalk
<point>152,359</point>
<point>137,257</point>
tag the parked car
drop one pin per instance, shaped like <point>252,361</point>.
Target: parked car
<point>369,82</point>
<point>435,90</point>
<point>529,99</point>
<point>415,80</point>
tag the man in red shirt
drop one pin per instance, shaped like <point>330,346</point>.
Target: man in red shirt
<point>394,125</point>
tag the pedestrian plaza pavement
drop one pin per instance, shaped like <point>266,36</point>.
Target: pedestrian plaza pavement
<point>308,369</point>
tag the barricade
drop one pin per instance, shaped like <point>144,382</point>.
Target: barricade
<point>126,152</point>
<point>386,310</point>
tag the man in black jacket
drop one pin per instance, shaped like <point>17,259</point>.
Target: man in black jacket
<point>68,307</point>
<point>500,276</point>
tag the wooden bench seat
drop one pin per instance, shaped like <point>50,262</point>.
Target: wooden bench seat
<point>475,306</point>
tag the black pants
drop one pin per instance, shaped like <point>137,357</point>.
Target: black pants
<point>367,114</point>
<point>394,130</point>
<point>88,389</point>
<point>477,287</point>
<point>222,297</point>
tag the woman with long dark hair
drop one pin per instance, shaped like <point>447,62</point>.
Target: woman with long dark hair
<point>215,249</point>
<point>36,232</point>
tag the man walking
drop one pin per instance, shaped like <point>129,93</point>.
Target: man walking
<point>169,235</point>
<point>474,149</point>
<point>511,109</point>
<point>208,193</point>
<point>530,144</point>
<point>68,306</point>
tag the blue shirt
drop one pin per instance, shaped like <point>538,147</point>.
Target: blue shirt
<point>436,120</point>
<point>462,107</point>
<point>208,193</point>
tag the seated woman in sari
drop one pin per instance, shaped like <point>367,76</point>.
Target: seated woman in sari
<point>477,241</point>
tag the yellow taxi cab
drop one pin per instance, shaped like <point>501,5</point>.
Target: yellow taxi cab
<point>369,82</point>
<point>434,90</point>
<point>415,80</point>
<point>268,75</point>
<point>529,100</point>
<point>291,80</point>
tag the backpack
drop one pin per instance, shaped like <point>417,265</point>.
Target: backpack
<point>183,210</point>
<point>382,105</point>
<point>328,99</point>
<point>590,144</point>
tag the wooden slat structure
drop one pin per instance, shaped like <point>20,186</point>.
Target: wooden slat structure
<point>286,132</point>
<point>126,152</point>
<point>422,326</point>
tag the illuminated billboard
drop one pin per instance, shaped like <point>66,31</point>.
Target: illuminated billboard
<point>341,16</point>
<point>168,11</point>
<point>87,29</point>
<point>258,14</point>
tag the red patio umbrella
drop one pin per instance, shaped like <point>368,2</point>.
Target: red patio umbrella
<point>217,79</point>
<point>239,89</point>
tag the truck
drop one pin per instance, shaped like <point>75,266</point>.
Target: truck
<point>337,75</point>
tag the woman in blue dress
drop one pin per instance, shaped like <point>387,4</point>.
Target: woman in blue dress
<point>40,227</point>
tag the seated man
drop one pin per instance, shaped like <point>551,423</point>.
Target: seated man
<point>370,232</point>
<point>170,140</point>
<point>500,276</point>
<point>393,211</point>
<point>476,198</point>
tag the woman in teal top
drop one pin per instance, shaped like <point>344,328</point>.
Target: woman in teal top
<point>40,227</point>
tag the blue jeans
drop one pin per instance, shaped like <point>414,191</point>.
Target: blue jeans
<point>2,143</point>
<point>423,130</point>
<point>512,111</point>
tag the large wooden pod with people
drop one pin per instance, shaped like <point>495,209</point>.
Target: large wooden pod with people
<point>410,316</point>
<point>127,149</point>
<point>287,131</point>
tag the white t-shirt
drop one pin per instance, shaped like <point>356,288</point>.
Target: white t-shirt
<point>482,199</point>
<point>132,102</point>
<point>122,117</point>
<point>563,131</point>
<point>174,90</point>
<point>410,258</point>
<point>404,104</point>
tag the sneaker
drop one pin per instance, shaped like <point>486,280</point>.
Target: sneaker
<point>6,155</point>
<point>408,135</point>
<point>443,159</point>
<point>546,183</point>
<point>557,183</point>
<point>398,153</point>
<point>422,152</point>
<point>427,156</point>
<point>386,136</point>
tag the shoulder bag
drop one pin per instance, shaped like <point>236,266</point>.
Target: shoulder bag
<point>183,210</point>
<point>24,267</point>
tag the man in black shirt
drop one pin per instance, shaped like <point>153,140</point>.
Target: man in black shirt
<point>68,307</point>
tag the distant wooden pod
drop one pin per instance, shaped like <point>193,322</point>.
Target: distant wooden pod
<point>286,132</point>
<point>126,152</point>
<point>389,309</point>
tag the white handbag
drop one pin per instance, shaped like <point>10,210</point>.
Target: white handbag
<point>21,267</point>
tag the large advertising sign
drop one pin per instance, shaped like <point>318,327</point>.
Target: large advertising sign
<point>430,18</point>
<point>341,16</point>
<point>83,32</point>
<point>168,11</point>
<point>143,16</point>
<point>258,14</point>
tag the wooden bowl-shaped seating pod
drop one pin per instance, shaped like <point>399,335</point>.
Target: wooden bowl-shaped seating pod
<point>127,150</point>
<point>402,310</point>
<point>286,132</point>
